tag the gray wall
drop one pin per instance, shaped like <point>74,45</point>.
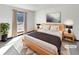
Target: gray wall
<point>67,12</point>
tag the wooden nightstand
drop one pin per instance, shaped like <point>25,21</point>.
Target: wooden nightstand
<point>70,36</point>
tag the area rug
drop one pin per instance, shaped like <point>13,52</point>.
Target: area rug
<point>65,49</point>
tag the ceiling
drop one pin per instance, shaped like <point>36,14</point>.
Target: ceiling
<point>37,7</point>
<point>34,7</point>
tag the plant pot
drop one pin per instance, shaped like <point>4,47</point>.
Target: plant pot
<point>4,37</point>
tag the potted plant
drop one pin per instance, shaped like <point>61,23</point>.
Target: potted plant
<point>4,27</point>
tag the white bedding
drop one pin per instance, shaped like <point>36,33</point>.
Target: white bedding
<point>43,44</point>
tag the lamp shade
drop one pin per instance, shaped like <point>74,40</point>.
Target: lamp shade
<point>69,22</point>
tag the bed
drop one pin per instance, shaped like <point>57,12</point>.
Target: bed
<point>45,41</point>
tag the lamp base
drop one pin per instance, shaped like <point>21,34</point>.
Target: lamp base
<point>69,31</point>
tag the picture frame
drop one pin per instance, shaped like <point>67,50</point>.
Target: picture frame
<point>54,17</point>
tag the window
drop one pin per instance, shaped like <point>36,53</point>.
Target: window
<point>20,18</point>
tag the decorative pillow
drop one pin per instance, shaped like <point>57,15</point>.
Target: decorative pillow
<point>45,27</point>
<point>54,28</point>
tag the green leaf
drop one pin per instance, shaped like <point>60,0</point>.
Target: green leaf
<point>4,27</point>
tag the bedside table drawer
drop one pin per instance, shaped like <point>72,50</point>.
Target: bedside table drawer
<point>69,36</point>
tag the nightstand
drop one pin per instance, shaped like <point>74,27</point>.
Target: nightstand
<point>70,36</point>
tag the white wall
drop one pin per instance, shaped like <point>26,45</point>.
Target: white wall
<point>67,12</point>
<point>30,20</point>
<point>6,16</point>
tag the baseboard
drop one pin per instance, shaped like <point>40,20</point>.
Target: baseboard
<point>9,37</point>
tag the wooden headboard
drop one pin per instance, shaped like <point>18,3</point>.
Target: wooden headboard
<point>49,25</point>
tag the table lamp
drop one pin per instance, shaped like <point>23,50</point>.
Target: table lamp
<point>38,25</point>
<point>69,24</point>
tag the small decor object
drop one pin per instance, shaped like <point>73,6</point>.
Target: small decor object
<point>4,27</point>
<point>38,26</point>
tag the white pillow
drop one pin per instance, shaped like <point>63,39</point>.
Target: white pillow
<point>45,27</point>
<point>54,28</point>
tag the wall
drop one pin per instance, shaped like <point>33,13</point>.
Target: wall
<point>6,16</point>
<point>67,12</point>
<point>30,20</point>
